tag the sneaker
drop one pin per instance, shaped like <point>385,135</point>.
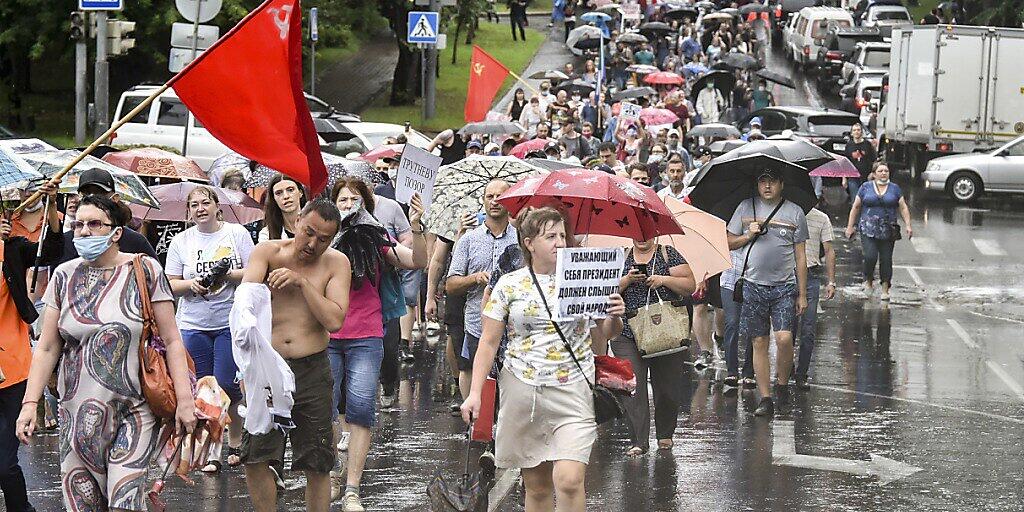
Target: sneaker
<point>869,289</point>
<point>748,383</point>
<point>885,295</point>
<point>765,408</point>
<point>487,464</point>
<point>802,384</point>
<point>343,443</point>
<point>731,381</point>
<point>278,480</point>
<point>703,360</point>
<point>387,402</point>
<point>351,503</point>
<point>337,484</point>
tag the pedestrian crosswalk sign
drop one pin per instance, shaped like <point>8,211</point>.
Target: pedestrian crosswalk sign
<point>422,27</point>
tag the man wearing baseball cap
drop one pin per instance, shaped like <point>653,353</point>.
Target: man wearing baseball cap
<point>771,232</point>
<point>100,182</point>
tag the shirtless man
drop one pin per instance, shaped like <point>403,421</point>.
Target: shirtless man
<point>309,286</point>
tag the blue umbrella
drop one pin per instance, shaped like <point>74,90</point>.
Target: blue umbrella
<point>695,68</point>
<point>595,17</point>
<point>13,169</point>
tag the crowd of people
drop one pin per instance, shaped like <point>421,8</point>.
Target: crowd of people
<point>353,282</point>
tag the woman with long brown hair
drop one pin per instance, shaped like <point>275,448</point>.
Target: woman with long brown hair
<point>282,203</point>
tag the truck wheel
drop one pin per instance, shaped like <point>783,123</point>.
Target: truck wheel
<point>965,187</point>
<point>917,160</point>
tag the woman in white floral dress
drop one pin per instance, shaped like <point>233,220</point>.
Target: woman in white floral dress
<point>546,424</point>
<point>93,323</point>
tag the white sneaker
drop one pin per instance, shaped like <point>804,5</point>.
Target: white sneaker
<point>869,289</point>
<point>885,295</point>
<point>351,503</point>
<point>343,443</point>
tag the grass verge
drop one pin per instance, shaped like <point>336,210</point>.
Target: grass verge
<point>454,80</point>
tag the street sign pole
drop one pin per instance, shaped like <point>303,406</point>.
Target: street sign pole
<point>81,69</point>
<point>430,73</point>
<point>102,100</point>
<point>195,48</point>
<point>314,35</point>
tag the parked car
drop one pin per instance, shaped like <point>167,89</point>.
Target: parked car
<point>862,97</point>
<point>861,7</point>
<point>967,176</point>
<point>887,17</point>
<point>784,11</point>
<point>867,57</point>
<point>807,31</point>
<point>839,45</point>
<point>827,127</point>
<point>366,136</point>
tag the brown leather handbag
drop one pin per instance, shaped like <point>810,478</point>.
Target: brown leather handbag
<point>154,375</point>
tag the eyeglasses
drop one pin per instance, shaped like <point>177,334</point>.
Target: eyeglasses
<point>93,225</point>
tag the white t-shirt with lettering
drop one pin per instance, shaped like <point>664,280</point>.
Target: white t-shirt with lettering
<point>191,254</point>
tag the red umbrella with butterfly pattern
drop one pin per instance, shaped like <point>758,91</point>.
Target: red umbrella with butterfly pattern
<point>597,203</point>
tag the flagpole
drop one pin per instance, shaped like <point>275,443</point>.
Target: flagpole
<point>524,82</point>
<point>99,140</point>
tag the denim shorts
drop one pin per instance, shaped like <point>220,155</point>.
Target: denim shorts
<point>766,308</point>
<point>355,366</point>
<point>411,285</point>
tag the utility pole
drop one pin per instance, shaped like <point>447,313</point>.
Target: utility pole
<point>430,73</point>
<point>314,35</point>
<point>78,35</point>
<point>102,100</point>
<point>195,50</point>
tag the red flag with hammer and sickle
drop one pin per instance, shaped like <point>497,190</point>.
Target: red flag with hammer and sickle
<point>485,78</point>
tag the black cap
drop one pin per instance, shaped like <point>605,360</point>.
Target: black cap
<point>770,174</point>
<point>96,177</point>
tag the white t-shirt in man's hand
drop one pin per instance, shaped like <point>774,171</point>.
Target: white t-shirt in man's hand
<point>191,255</point>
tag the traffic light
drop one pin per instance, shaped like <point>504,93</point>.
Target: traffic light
<point>117,36</point>
<point>77,25</point>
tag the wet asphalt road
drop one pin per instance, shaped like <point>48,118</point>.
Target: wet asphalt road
<point>934,381</point>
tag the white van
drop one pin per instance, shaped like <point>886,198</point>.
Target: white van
<point>807,30</point>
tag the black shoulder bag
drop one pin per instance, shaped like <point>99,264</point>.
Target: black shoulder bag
<point>737,291</point>
<point>606,404</point>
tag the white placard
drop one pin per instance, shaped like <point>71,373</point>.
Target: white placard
<point>585,277</point>
<point>629,110</point>
<point>417,172</point>
<point>631,11</point>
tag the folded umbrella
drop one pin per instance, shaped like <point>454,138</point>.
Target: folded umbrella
<point>129,186</point>
<point>664,78</point>
<point>714,130</point>
<point>655,116</point>
<point>839,167</point>
<point>596,202</point>
<point>775,76</point>
<point>459,188</point>
<point>703,243</point>
<point>466,493</point>
<point>633,92</point>
<point>157,163</point>
<point>723,183</point>
<point>236,206</point>
<point>491,128</point>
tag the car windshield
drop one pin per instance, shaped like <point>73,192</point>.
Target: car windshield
<point>830,126</point>
<point>821,27</point>
<point>316,105</point>
<point>877,59</point>
<point>892,15</point>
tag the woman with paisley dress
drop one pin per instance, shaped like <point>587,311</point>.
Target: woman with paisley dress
<point>92,326</point>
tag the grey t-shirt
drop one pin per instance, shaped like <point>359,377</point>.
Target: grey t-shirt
<point>389,212</point>
<point>772,256</point>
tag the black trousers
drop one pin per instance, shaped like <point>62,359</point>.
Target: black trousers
<point>666,375</point>
<point>389,365</point>
<point>516,21</point>
<point>569,25</point>
<point>12,480</point>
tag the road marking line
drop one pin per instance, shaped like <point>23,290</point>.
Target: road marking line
<point>959,330</point>
<point>916,277</point>
<point>995,317</point>
<point>784,454</point>
<point>925,245</point>
<point>502,488</point>
<point>1006,378</point>
<point>919,282</point>
<point>921,402</point>
<point>989,247</point>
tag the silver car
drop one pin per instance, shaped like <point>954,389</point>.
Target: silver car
<point>967,176</point>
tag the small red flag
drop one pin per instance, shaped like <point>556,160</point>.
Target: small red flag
<point>247,91</point>
<point>485,78</point>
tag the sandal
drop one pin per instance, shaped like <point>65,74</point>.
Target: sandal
<point>211,467</point>
<point>237,454</point>
<point>636,451</point>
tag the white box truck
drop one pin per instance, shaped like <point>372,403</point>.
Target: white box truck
<point>951,89</point>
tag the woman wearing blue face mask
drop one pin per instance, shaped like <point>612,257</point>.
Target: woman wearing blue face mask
<point>92,324</point>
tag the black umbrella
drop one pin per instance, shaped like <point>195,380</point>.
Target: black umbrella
<point>654,27</point>
<point>588,42</point>
<point>725,182</point>
<point>724,81</point>
<point>633,92</point>
<point>631,38</point>
<point>799,151</point>
<point>753,7</point>
<point>464,493</point>
<point>706,5</point>
<point>721,66</point>
<point>774,76</point>
<point>583,87</point>
<point>713,130</point>
<point>731,11</point>
<point>680,13</point>
<point>549,164</point>
<point>549,75</point>
<point>720,147</point>
<point>740,61</point>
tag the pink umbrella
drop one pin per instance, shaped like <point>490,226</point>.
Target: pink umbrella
<point>385,151</point>
<point>157,163</point>
<point>703,243</point>
<point>236,206</point>
<point>664,78</point>
<point>841,167</point>
<point>655,116</point>
<point>521,149</point>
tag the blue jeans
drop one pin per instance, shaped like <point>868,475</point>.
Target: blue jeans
<point>732,311</point>
<point>876,250</point>
<point>355,366</point>
<point>211,352</point>
<point>852,186</point>
<point>808,321</point>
